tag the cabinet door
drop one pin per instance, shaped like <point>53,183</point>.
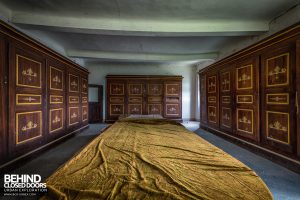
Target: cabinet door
<point>172,93</point>
<point>136,94</point>
<point>247,99</point>
<point>203,103</point>
<point>115,98</point>
<point>213,99</point>
<point>226,104</point>
<point>27,112</point>
<point>154,98</point>
<point>278,98</point>
<point>56,98</point>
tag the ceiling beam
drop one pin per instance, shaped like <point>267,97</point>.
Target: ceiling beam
<point>74,53</point>
<point>140,27</point>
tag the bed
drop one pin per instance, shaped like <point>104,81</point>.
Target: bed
<point>153,159</point>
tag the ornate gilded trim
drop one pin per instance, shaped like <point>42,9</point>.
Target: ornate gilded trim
<point>226,117</point>
<point>275,99</point>
<point>212,114</point>
<point>73,83</point>
<point>29,125</point>
<point>172,109</point>
<point>141,110</point>
<point>73,99</point>
<point>244,77</point>
<point>225,98</point>
<point>57,99</point>
<point>74,115</point>
<point>56,79</point>
<point>118,89</point>
<point>212,99</point>
<point>28,72</point>
<point>160,110</point>
<point>29,98</point>
<point>278,70</point>
<point>172,94</point>
<point>110,109</point>
<point>84,112</point>
<point>210,84</point>
<point>244,120</point>
<point>84,86</point>
<point>155,89</point>
<point>244,99</point>
<point>225,82</point>
<point>278,126</point>
<point>56,120</point>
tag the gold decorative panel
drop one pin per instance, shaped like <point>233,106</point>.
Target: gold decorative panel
<point>278,126</point>
<point>244,99</point>
<point>135,99</point>
<point>73,83</point>
<point>226,99</point>
<point>245,120</point>
<point>172,109</point>
<point>73,99</point>
<point>84,113</point>
<point>28,72</point>
<point>277,70</point>
<point>56,99</point>
<point>278,99</point>
<point>56,79</point>
<point>225,82</point>
<point>116,89</point>
<point>117,99</point>
<point>172,99</point>
<point>155,89</point>
<point>154,109</point>
<point>135,89</point>
<point>116,109</point>
<point>135,109</point>
<point>84,99</point>
<point>28,99</point>
<point>212,99</point>
<point>73,115</point>
<point>56,119</point>
<point>173,89</point>
<point>226,117</point>
<point>212,114</point>
<point>155,99</point>
<point>212,84</point>
<point>84,86</point>
<point>244,77</point>
<point>28,126</point>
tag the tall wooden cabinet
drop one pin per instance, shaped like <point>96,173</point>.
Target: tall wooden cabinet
<point>143,95</point>
<point>43,95</point>
<point>254,94</point>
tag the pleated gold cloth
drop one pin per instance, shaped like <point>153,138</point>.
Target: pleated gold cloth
<point>154,159</point>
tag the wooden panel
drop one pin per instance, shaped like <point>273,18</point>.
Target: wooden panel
<point>135,109</point>
<point>172,89</point>
<point>116,109</point>
<point>73,99</point>
<point>84,86</point>
<point>28,99</point>
<point>154,109</point>
<point>56,120</point>
<point>155,89</point>
<point>172,109</point>
<point>28,72</point>
<point>212,100</point>
<point>28,126</point>
<point>117,99</point>
<point>56,99</point>
<point>73,116</point>
<point>3,103</point>
<point>135,89</point>
<point>279,112</point>
<point>226,104</point>
<point>85,114</point>
<point>247,98</point>
<point>117,89</point>
<point>73,83</point>
<point>56,79</point>
<point>84,100</point>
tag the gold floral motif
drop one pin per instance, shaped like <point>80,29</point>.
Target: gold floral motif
<point>56,80</point>
<point>245,120</point>
<point>278,126</point>
<point>211,85</point>
<point>116,89</point>
<point>56,120</point>
<point>277,71</point>
<point>172,109</point>
<point>74,84</point>
<point>212,114</point>
<point>74,115</point>
<point>29,99</point>
<point>154,109</point>
<point>30,73</point>
<point>30,125</point>
<point>84,112</point>
<point>277,98</point>
<point>225,83</point>
<point>117,109</point>
<point>172,90</point>
<point>84,86</point>
<point>135,90</point>
<point>244,78</point>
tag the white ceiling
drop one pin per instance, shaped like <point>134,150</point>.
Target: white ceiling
<point>145,30</point>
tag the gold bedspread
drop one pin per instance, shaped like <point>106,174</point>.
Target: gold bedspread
<point>154,159</point>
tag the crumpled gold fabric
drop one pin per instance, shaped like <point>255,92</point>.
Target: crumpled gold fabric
<point>153,159</point>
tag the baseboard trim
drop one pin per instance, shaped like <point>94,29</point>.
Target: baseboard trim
<point>9,163</point>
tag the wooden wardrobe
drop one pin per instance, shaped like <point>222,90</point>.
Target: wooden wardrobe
<point>143,95</point>
<point>43,95</point>
<point>253,94</point>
